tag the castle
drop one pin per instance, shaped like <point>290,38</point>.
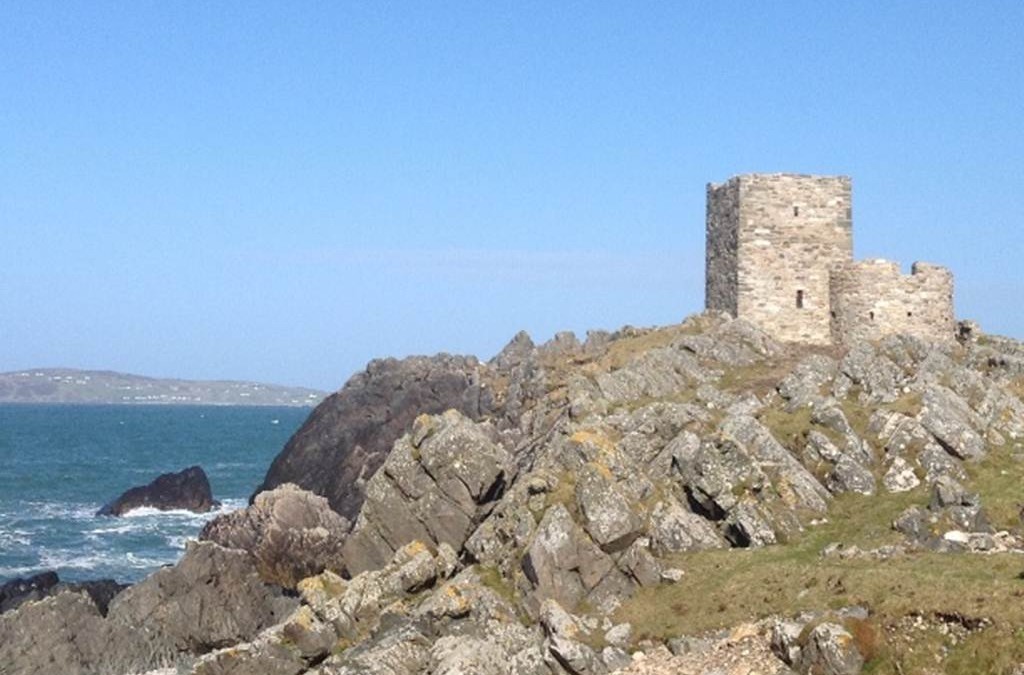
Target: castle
<point>780,254</point>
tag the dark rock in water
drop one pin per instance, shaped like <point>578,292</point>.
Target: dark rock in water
<point>290,533</point>
<point>188,489</point>
<point>348,436</point>
<point>16,592</point>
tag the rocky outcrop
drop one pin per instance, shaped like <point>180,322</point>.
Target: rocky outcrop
<point>347,437</point>
<point>188,489</point>
<point>16,592</point>
<point>438,483</point>
<point>212,598</point>
<point>502,513</point>
<point>290,533</point>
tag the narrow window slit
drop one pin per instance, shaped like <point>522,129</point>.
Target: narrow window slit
<point>799,299</point>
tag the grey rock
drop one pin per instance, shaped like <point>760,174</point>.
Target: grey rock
<point>900,476</point>
<point>290,533</point>
<point>288,648</point>
<point>849,475</point>
<point>914,523</point>
<point>59,635</point>
<point>802,489</point>
<point>403,651</point>
<point>950,420</point>
<point>348,436</point>
<point>785,640</point>
<point>748,527</point>
<point>639,564</point>
<point>806,382</point>
<point>685,645</point>
<point>211,598</point>
<point>658,373</point>
<point>435,492</point>
<point>830,650</point>
<point>880,379</point>
<point>608,516</point>
<point>561,562</point>
<point>674,529</point>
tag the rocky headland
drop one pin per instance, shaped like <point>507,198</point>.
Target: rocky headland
<point>697,498</point>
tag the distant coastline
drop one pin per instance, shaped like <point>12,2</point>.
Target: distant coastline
<point>72,386</point>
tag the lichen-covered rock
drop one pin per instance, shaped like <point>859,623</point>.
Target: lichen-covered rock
<point>288,648</point>
<point>953,424</point>
<point>436,486</point>
<point>830,650</point>
<point>610,519</point>
<point>674,529</point>
<point>290,533</point>
<point>900,476</point>
<point>354,607</point>
<point>562,563</point>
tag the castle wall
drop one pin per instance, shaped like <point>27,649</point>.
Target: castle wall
<point>723,217</point>
<point>872,298</point>
<point>790,231</point>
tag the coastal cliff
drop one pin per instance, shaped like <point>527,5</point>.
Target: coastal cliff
<point>667,500</point>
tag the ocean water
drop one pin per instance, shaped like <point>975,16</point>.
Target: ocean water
<point>59,464</point>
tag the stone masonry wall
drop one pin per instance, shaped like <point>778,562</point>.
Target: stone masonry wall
<point>872,298</point>
<point>723,217</point>
<point>791,230</point>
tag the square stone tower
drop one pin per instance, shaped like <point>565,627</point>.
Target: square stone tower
<point>772,242</point>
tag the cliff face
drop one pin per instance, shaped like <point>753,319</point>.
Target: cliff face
<point>347,437</point>
<point>697,494</point>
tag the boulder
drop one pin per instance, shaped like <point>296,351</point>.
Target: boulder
<point>830,650</point>
<point>347,437</point>
<point>608,516</point>
<point>188,489</point>
<point>60,635</point>
<point>562,563</point>
<point>288,648</point>
<point>212,598</point>
<point>290,533</point>
<point>437,485</point>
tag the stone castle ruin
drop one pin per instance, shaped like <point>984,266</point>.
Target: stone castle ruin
<point>780,255</point>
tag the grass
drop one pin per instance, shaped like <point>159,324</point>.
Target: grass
<point>997,478</point>
<point>724,588</point>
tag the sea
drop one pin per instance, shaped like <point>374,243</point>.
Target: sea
<point>60,463</point>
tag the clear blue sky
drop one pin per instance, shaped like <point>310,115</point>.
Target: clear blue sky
<point>283,191</point>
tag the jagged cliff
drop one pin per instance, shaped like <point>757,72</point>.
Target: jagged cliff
<point>672,500</point>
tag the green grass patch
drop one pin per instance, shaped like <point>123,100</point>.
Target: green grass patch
<point>998,479</point>
<point>724,588</point>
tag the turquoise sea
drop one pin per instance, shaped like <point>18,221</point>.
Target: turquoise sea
<point>59,464</point>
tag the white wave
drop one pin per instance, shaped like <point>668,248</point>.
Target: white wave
<point>116,529</point>
<point>60,510</point>
<point>11,572</point>
<point>227,506</point>
<point>178,541</point>
<point>15,538</point>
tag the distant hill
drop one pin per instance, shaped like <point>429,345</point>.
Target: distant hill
<point>67,385</point>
